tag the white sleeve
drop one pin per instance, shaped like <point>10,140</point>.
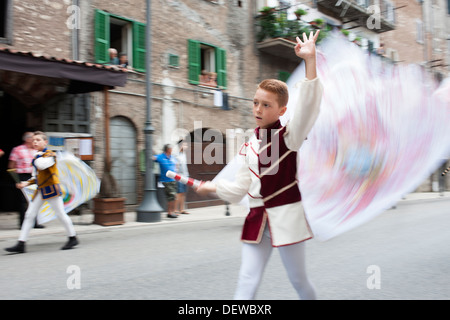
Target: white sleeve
<point>305,113</point>
<point>43,163</point>
<point>235,191</point>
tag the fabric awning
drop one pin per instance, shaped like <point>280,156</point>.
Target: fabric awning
<point>79,77</point>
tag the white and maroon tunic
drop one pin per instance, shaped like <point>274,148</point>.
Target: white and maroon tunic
<point>268,174</point>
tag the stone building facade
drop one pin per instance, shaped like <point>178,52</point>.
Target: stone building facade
<point>66,29</point>
<point>188,36</point>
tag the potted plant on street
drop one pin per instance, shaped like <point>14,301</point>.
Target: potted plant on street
<point>109,207</point>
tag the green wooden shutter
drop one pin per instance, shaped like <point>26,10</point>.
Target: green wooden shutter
<point>139,47</point>
<point>174,60</point>
<point>283,75</point>
<point>101,36</point>
<point>221,67</point>
<point>194,63</point>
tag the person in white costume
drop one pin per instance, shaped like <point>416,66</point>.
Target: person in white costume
<point>46,176</point>
<point>268,175</point>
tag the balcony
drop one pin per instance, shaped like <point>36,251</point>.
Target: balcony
<point>279,47</point>
<point>358,11</point>
<point>275,34</point>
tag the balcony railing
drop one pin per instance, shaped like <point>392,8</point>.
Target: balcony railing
<point>275,33</point>
<point>377,15</point>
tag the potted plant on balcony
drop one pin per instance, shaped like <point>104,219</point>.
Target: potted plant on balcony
<point>109,207</point>
<point>317,23</point>
<point>267,23</point>
<point>299,13</point>
<point>267,10</point>
<point>345,32</point>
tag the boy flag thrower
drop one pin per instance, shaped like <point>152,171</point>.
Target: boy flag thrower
<point>386,133</point>
<point>78,183</point>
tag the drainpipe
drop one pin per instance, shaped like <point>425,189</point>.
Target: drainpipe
<point>106,123</point>
<point>75,35</point>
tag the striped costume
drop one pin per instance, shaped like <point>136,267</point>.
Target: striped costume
<point>46,175</point>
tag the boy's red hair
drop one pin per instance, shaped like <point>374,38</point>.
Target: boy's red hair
<point>277,87</point>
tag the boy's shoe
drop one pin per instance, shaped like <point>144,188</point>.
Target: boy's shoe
<point>18,248</point>
<point>73,241</point>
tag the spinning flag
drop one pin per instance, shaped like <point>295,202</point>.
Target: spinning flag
<point>78,184</point>
<point>380,133</point>
<point>382,130</point>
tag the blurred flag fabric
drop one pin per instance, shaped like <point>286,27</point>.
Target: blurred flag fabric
<point>78,184</point>
<point>383,129</point>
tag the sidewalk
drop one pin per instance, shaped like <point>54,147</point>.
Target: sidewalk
<point>426,195</point>
<point>83,223</point>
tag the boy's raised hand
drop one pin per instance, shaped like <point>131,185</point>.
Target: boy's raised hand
<point>306,49</point>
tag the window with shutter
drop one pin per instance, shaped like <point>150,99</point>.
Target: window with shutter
<point>6,21</point>
<point>125,35</point>
<point>174,60</point>
<point>101,36</point>
<point>139,50</point>
<point>194,61</point>
<point>205,58</point>
<point>221,67</point>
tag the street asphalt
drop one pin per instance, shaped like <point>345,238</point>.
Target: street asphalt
<point>84,223</point>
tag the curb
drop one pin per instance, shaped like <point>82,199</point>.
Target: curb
<point>84,223</point>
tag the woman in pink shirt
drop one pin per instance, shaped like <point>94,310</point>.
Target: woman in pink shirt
<point>20,159</point>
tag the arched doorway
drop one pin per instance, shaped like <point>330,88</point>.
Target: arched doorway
<point>206,158</point>
<point>123,155</point>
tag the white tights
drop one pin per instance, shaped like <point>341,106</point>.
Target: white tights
<point>33,209</point>
<point>254,260</point>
